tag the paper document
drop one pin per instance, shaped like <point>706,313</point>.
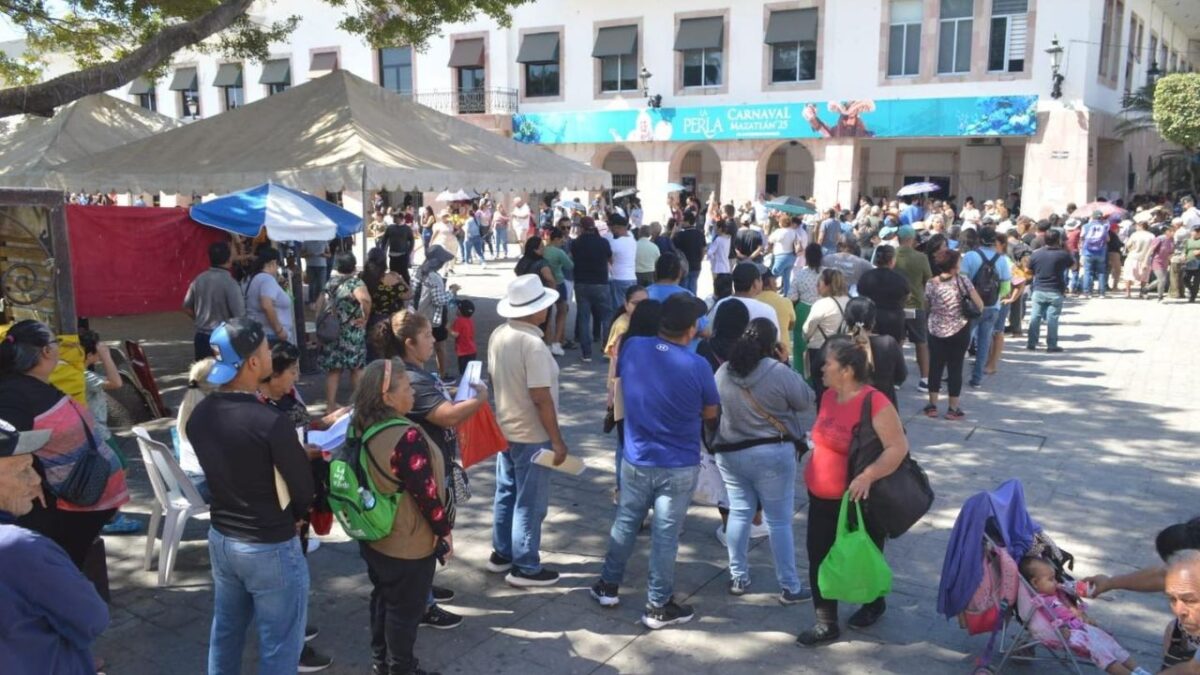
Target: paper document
<point>334,436</point>
<point>281,491</point>
<point>572,464</point>
<point>472,375</point>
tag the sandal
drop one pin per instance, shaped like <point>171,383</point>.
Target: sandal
<point>930,411</point>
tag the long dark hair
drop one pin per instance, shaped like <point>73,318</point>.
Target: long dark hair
<point>21,348</point>
<point>755,344</point>
<point>643,322</point>
<point>729,323</point>
<point>530,256</point>
<point>374,269</point>
<point>629,293</point>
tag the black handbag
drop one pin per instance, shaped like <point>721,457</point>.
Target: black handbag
<point>85,484</point>
<point>897,501</point>
<point>969,309</point>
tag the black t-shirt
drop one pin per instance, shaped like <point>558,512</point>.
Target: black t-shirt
<point>1114,242</point>
<point>1048,266</point>
<point>591,254</point>
<point>429,393</point>
<point>690,242</point>
<point>24,397</point>
<point>747,241</point>
<point>887,288</point>
<point>398,239</point>
<point>240,442</point>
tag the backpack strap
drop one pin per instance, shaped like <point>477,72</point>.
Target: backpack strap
<point>370,433</point>
<point>842,312</point>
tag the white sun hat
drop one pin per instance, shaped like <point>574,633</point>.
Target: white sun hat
<point>526,295</point>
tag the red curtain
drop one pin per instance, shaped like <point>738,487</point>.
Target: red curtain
<point>134,260</point>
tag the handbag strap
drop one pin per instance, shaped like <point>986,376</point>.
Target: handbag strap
<point>87,429</point>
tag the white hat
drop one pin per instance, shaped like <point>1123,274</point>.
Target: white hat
<point>526,296</point>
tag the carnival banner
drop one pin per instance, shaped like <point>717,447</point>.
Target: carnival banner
<point>893,118</point>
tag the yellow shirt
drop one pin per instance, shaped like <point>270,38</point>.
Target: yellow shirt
<point>619,326</point>
<point>519,360</point>
<point>784,310</point>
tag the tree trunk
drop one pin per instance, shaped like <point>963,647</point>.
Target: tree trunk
<point>43,98</point>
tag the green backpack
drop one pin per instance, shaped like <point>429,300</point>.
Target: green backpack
<point>362,511</point>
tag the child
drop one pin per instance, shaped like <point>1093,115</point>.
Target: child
<point>463,332</point>
<point>1084,638</point>
<point>96,352</point>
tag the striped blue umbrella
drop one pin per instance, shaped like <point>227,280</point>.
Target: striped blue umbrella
<point>288,215</point>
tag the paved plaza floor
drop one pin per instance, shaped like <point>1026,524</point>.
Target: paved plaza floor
<point>1103,437</point>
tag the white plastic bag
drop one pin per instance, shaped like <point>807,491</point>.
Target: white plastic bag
<point>710,486</point>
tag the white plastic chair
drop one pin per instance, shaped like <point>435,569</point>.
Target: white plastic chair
<point>178,500</point>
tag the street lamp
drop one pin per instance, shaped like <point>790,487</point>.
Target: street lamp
<point>1056,55</point>
<point>1153,73</point>
<point>651,101</point>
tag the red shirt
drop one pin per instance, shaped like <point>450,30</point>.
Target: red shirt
<point>826,472</point>
<point>464,344</point>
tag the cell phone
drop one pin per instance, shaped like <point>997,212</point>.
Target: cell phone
<point>440,551</point>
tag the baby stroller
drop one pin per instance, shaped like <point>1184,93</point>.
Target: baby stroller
<point>982,588</point>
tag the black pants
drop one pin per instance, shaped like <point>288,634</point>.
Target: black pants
<point>948,354</point>
<point>400,264</point>
<point>74,531</point>
<point>400,589</point>
<point>201,346</point>
<point>816,359</point>
<point>463,360</point>
<point>1191,281</point>
<point>822,531</point>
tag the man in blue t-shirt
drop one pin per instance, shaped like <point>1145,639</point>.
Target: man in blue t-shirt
<point>668,272</point>
<point>996,284</point>
<point>669,392</point>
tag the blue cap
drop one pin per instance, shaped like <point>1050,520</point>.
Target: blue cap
<point>232,342</point>
<point>887,232</point>
<point>906,232</point>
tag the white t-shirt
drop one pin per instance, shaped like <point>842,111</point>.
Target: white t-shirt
<point>1191,218</point>
<point>624,258</point>
<point>718,255</point>
<point>519,217</point>
<point>783,240</point>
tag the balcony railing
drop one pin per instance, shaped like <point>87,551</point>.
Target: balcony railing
<point>497,101</point>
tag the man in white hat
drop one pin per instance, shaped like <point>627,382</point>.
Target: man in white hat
<point>52,613</point>
<point>525,378</point>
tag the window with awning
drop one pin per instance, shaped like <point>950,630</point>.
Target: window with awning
<point>792,35</point>
<point>617,49</point>
<point>276,71</point>
<point>322,63</point>
<point>185,79</point>
<point>228,75</point>
<point>467,54</point>
<point>141,86</point>
<point>615,41</point>
<point>538,48</point>
<point>701,42</point>
<point>705,33</point>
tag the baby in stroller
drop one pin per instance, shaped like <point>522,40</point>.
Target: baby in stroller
<point>1084,636</point>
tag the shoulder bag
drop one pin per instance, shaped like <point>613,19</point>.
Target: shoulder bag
<point>896,501</point>
<point>969,309</point>
<point>85,484</point>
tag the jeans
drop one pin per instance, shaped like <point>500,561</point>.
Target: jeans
<point>669,492</point>
<point>501,234</point>
<point>782,269</point>
<point>616,290</point>
<point>984,326</point>
<point>318,276</point>
<point>399,594</point>
<point>1075,275</point>
<point>691,279</point>
<point>591,298</point>
<point>426,235</point>
<point>1095,268</point>
<point>268,582</point>
<point>474,243</point>
<point>761,474</point>
<point>522,497</point>
<point>1046,305</point>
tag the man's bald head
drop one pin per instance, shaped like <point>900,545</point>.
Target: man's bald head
<point>1183,588</point>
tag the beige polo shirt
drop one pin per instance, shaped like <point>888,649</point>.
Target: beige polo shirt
<point>519,360</point>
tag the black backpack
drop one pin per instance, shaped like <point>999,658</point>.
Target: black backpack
<point>987,280</point>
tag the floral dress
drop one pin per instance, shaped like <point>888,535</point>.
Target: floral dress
<point>349,351</point>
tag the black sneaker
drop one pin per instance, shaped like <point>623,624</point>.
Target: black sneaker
<point>311,661</point>
<point>436,617</point>
<point>669,614</point>
<point>923,386</point>
<point>867,615</point>
<point>310,632</point>
<point>787,597</point>
<point>605,593</point>
<point>739,586</point>
<point>819,634</point>
<point>543,577</point>
<point>442,594</point>
<point>498,564</point>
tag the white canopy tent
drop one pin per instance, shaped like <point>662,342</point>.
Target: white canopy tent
<point>30,146</point>
<point>338,132</point>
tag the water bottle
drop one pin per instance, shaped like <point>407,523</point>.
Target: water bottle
<point>368,499</point>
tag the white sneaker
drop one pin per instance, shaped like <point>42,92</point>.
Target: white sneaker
<point>556,349</point>
<point>758,531</point>
<point>721,535</point>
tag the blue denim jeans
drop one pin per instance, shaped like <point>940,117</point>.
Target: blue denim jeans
<point>669,492</point>
<point>591,298</point>
<point>474,243</point>
<point>762,474</point>
<point>1095,268</point>
<point>616,297</point>
<point>522,497</point>
<point>266,582</point>
<point>782,269</point>
<point>501,234</point>
<point>1075,276</point>
<point>1047,305</point>
<point>984,326</point>
<point>691,279</point>
<point>317,278</point>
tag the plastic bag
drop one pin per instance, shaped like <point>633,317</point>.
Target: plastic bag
<point>855,570</point>
<point>479,437</point>
<point>710,486</point>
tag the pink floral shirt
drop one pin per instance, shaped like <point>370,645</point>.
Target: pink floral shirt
<point>945,304</point>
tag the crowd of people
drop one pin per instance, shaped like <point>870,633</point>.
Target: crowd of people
<point>808,315</point>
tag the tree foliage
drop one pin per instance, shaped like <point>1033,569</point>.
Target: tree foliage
<point>1177,109</point>
<point>114,41</point>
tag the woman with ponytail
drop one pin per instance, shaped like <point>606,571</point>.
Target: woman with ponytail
<point>73,463</point>
<point>755,447</point>
<point>885,358</point>
<point>198,387</point>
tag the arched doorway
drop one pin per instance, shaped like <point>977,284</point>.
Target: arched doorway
<point>786,170</point>
<point>698,168</point>
<point>620,163</point>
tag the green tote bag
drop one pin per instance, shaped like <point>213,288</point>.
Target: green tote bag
<point>855,570</point>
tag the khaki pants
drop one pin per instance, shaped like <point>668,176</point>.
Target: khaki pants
<point>1175,274</point>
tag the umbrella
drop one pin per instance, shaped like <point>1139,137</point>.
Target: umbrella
<point>792,205</point>
<point>571,205</point>
<point>459,196</point>
<point>676,187</point>
<point>1146,215</point>
<point>625,193</point>
<point>1108,209</point>
<point>918,189</point>
<point>288,215</point>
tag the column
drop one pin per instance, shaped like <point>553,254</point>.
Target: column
<point>835,172</point>
<point>1059,162</point>
<point>652,178</point>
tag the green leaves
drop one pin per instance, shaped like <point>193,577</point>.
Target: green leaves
<point>1177,109</point>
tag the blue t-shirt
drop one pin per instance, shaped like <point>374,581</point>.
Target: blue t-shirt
<point>661,292</point>
<point>973,260</point>
<point>911,214</point>
<point>662,413</point>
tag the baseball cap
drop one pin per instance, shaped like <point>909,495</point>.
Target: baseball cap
<point>680,312</point>
<point>888,232</point>
<point>906,232</point>
<point>1098,214</point>
<point>231,343</point>
<point>14,443</point>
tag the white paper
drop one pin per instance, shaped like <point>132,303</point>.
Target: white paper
<point>332,437</point>
<point>472,375</point>
<point>572,464</point>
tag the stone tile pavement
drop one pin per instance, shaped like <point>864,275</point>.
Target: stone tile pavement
<point>1102,437</point>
